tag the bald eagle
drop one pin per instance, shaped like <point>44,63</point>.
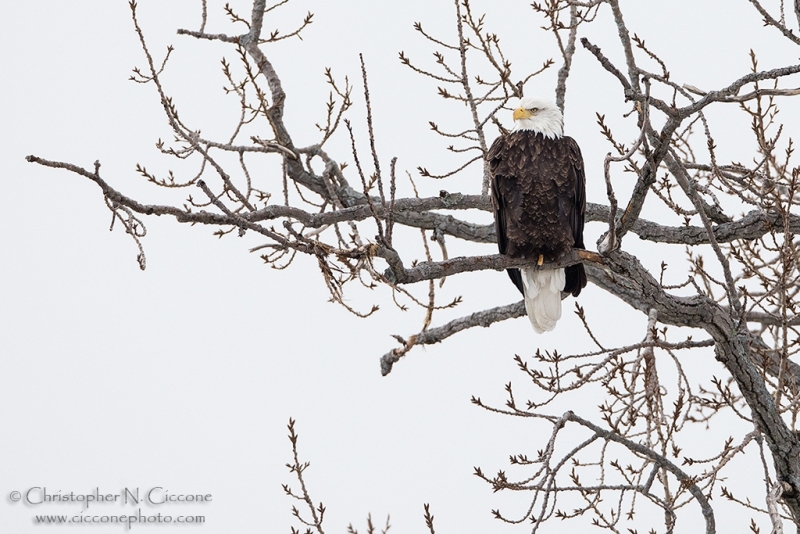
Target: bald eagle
<point>538,195</point>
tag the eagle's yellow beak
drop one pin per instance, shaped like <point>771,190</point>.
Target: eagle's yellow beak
<point>522,113</point>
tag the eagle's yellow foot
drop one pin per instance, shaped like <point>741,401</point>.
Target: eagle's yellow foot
<point>541,260</point>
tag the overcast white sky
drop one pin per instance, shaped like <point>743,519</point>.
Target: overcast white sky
<point>184,376</point>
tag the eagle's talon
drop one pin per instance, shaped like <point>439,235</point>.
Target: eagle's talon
<point>541,260</point>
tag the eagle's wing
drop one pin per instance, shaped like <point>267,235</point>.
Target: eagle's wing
<point>576,274</point>
<point>578,176</point>
<point>493,157</point>
<point>499,202</point>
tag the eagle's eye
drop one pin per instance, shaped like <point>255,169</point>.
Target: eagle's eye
<point>533,110</point>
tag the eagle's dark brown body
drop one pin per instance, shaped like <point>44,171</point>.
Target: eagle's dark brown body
<point>538,192</point>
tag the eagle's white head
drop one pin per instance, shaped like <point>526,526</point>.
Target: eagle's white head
<point>539,115</point>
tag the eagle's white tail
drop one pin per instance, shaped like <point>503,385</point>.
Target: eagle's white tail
<point>543,296</point>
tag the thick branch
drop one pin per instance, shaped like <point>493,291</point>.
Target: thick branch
<point>435,270</point>
<point>412,212</point>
